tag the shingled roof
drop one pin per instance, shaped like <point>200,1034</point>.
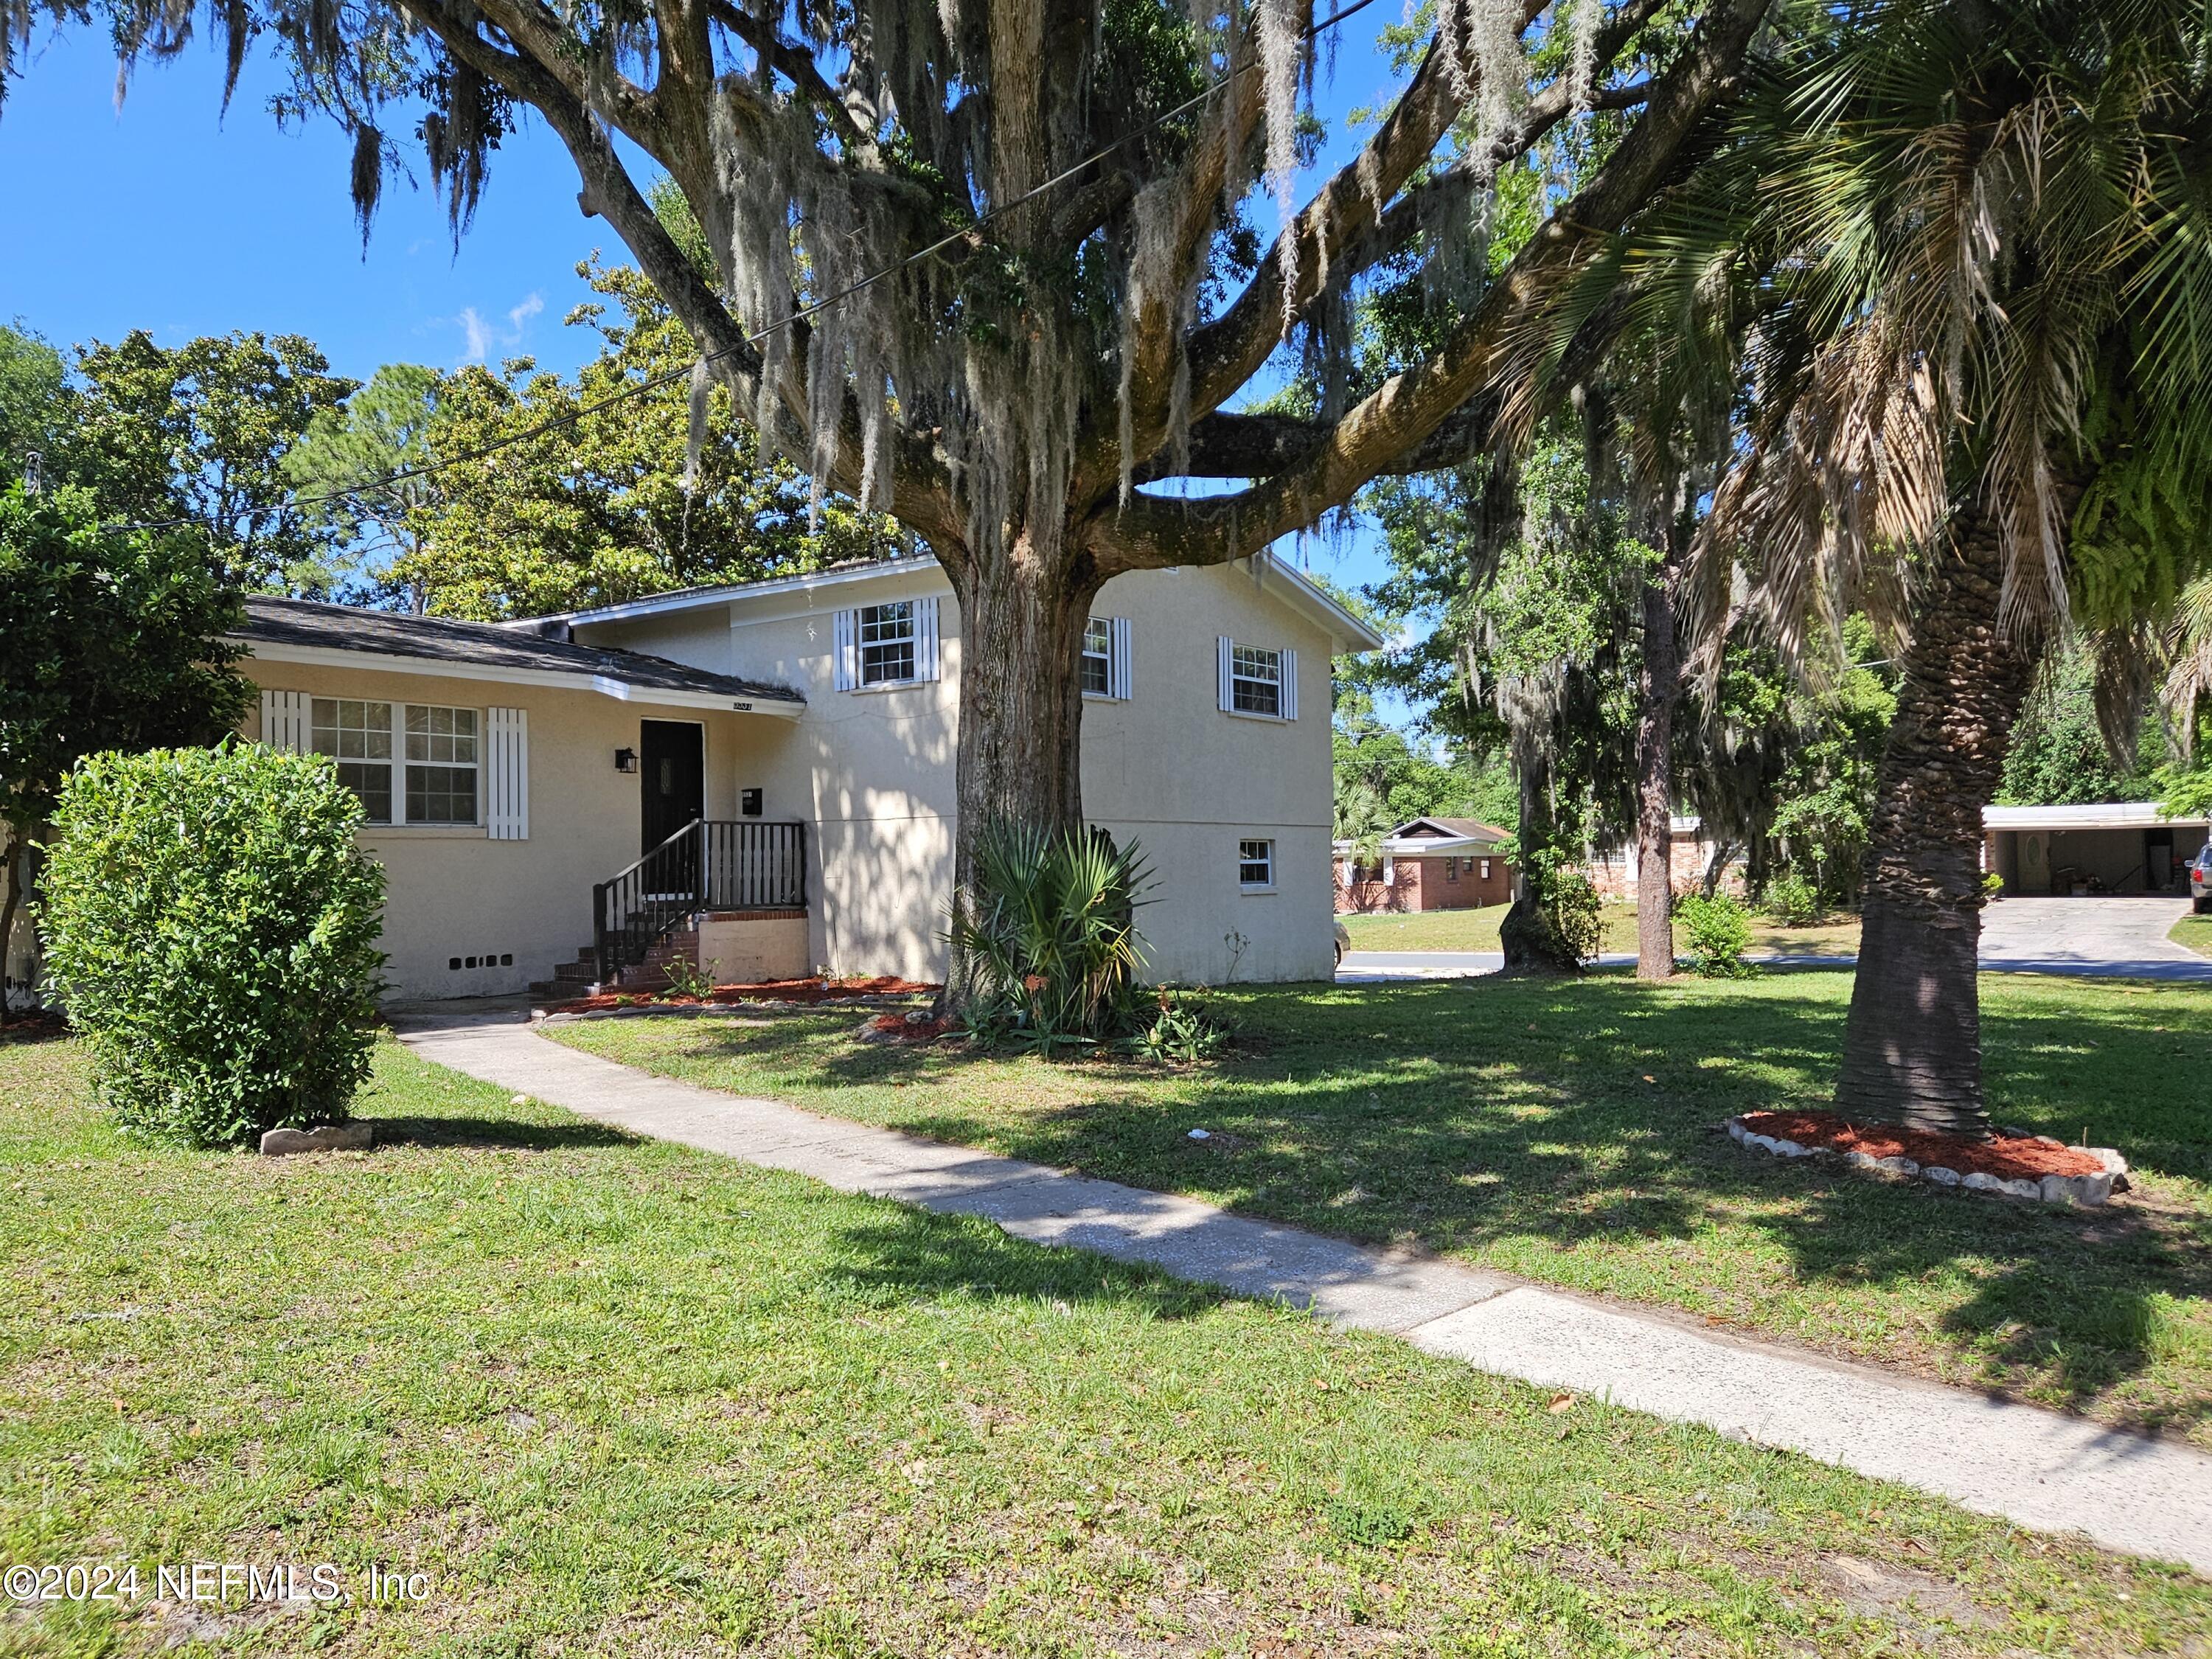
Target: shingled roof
<point>303,624</point>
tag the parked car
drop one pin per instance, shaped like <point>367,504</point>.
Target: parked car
<point>2200,879</point>
<point>1343,939</point>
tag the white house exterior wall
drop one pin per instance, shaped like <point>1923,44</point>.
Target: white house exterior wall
<point>872,771</point>
<point>456,893</point>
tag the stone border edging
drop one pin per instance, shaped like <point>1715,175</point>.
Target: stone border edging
<point>2089,1191</point>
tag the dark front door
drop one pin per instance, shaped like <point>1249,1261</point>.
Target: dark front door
<point>672,781</point>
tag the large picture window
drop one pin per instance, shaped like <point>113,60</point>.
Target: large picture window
<point>1255,681</point>
<point>887,642</point>
<point>437,747</point>
<point>358,736</point>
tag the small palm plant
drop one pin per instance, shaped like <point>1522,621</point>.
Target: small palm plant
<point>1045,948</point>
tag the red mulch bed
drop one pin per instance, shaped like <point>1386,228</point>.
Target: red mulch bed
<point>2009,1158</point>
<point>773,990</point>
<point>39,1026</point>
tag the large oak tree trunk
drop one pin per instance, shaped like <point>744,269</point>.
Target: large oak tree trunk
<point>1524,933</point>
<point>1021,698</point>
<point>1659,688</point>
<point>1912,1049</point>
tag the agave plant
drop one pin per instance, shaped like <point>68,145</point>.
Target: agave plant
<point>1044,940</point>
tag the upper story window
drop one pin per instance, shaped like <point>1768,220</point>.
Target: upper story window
<point>440,745</point>
<point>1258,680</point>
<point>886,645</point>
<point>887,642</point>
<point>1255,685</point>
<point>1103,665</point>
<point>1098,657</point>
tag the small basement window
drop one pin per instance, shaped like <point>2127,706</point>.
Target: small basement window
<point>887,642</point>
<point>1255,865</point>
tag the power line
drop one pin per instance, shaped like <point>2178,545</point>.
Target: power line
<point>654,383</point>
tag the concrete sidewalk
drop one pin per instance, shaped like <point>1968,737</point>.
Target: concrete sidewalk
<point>2057,1474</point>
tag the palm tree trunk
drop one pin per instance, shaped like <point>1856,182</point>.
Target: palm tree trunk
<point>1659,688</point>
<point>1912,1049</point>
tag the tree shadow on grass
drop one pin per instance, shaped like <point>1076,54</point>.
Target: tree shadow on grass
<point>1569,1130</point>
<point>495,1134</point>
<point>921,1255</point>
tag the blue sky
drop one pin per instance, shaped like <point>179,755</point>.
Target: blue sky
<point>164,216</point>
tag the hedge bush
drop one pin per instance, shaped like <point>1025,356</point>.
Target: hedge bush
<point>1720,930</point>
<point>211,928</point>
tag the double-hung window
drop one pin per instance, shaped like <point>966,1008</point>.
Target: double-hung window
<point>887,642</point>
<point>358,736</point>
<point>1098,657</point>
<point>437,748</point>
<point>1255,865</point>
<point>1104,664</point>
<point>441,765</point>
<point>1259,681</point>
<point>1256,683</point>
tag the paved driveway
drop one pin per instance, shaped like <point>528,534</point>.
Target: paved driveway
<point>2122,936</point>
<point>2115,937</point>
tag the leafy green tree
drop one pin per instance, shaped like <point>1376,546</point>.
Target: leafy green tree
<point>990,269</point>
<point>111,642</point>
<point>344,462</point>
<point>200,434</point>
<point>34,401</point>
<point>597,505</point>
<point>2060,754</point>
<point>1530,594</point>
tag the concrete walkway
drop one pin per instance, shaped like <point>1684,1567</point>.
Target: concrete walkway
<point>2046,1471</point>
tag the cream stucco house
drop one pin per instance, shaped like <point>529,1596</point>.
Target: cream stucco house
<point>516,774</point>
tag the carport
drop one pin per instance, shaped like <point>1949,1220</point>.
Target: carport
<point>2106,847</point>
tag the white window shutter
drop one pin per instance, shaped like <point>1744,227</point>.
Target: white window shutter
<point>1228,664</point>
<point>925,639</point>
<point>507,773</point>
<point>845,658</point>
<point>1290,701</point>
<point>285,721</point>
<point>1118,663</point>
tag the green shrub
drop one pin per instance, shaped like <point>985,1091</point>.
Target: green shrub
<point>1719,929</point>
<point>1992,887</point>
<point>211,928</point>
<point>1792,901</point>
<point>1045,948</point>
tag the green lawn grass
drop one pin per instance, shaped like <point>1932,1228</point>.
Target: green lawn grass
<point>2196,933</point>
<point>1571,1132</point>
<point>622,1399</point>
<point>1477,930</point>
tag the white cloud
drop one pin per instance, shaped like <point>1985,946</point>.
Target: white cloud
<point>480,334</point>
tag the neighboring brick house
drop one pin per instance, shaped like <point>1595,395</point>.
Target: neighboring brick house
<point>1428,864</point>
<point>1615,874</point>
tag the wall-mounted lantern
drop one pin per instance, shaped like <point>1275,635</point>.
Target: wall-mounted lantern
<point>625,760</point>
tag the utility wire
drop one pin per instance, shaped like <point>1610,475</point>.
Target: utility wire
<point>654,383</point>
